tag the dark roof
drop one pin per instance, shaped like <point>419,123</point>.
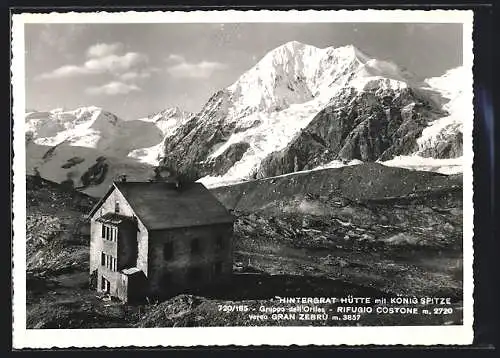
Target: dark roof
<point>160,205</point>
<point>113,218</point>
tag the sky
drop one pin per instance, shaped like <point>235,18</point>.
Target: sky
<point>135,70</point>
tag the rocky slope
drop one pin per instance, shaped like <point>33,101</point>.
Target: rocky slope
<point>368,204</point>
<point>350,184</point>
<point>367,126</point>
<point>366,230</point>
<point>82,168</point>
<point>57,233</point>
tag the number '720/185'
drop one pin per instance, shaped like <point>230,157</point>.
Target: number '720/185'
<point>233,308</point>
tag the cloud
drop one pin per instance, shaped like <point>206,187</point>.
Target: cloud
<point>115,63</point>
<point>184,69</point>
<point>65,71</point>
<point>112,89</point>
<point>102,49</point>
<point>135,75</point>
<point>103,58</point>
<point>176,58</point>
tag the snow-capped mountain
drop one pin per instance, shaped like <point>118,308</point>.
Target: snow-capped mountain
<point>87,146</point>
<point>302,107</point>
<point>296,73</point>
<point>440,146</point>
<point>91,127</point>
<point>299,108</point>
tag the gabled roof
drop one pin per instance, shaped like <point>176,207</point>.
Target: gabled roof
<point>161,205</point>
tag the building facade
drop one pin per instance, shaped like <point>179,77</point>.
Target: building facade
<point>156,239</point>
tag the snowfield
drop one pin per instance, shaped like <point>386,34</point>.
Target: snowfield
<point>416,162</point>
<point>168,121</point>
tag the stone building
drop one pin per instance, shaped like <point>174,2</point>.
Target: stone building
<point>155,239</point>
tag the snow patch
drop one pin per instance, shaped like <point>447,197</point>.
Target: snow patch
<point>338,164</point>
<point>416,162</point>
<point>151,155</point>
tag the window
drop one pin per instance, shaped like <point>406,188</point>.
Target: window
<point>195,246</point>
<point>194,274</point>
<point>117,206</point>
<point>110,233</point>
<point>218,268</point>
<point>168,250</point>
<point>109,261</point>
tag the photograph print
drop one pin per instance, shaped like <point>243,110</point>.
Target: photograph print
<point>201,170</point>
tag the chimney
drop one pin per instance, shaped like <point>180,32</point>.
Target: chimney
<point>124,178</point>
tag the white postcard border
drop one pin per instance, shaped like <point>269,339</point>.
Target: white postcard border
<point>240,336</point>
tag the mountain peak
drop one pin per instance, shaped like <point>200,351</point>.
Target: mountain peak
<point>169,112</point>
<point>357,53</point>
<point>296,73</point>
<point>294,45</point>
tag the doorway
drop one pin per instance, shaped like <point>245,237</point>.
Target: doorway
<point>105,285</point>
